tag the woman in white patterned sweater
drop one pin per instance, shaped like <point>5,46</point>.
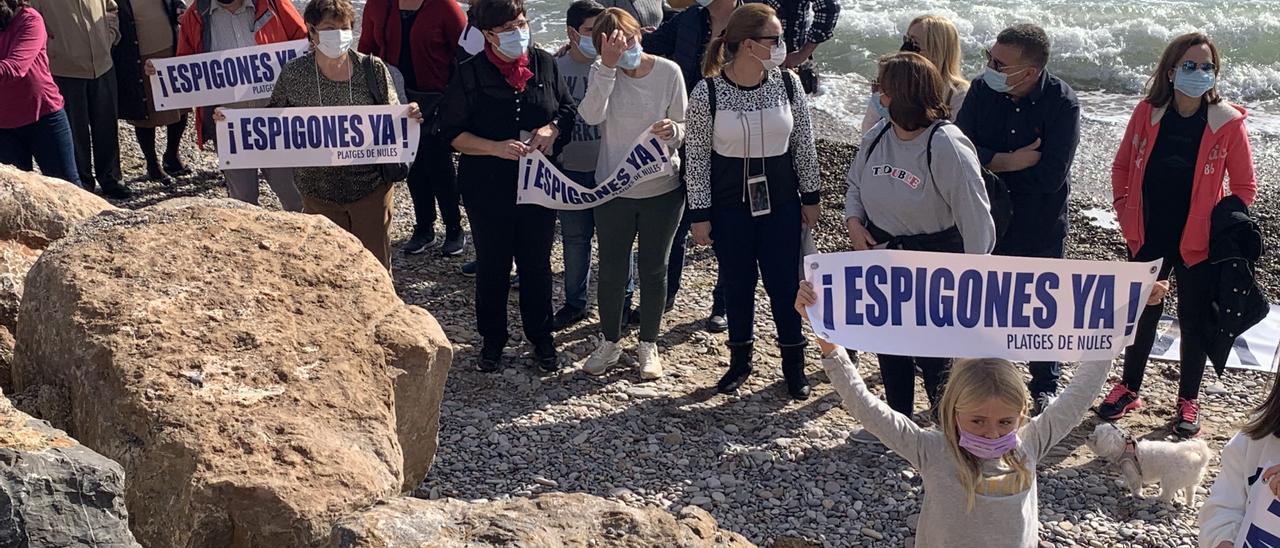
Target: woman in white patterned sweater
<point>752,178</point>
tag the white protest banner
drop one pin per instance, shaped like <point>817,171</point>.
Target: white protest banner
<point>914,303</point>
<point>221,77</point>
<point>1257,349</point>
<point>1260,527</point>
<point>316,136</point>
<point>542,184</point>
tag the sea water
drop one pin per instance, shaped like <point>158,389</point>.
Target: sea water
<point>1106,50</point>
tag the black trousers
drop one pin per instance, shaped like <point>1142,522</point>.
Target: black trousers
<point>434,181</point>
<point>91,111</point>
<point>754,248</point>
<point>1195,290</point>
<point>502,232</point>
<point>899,376</point>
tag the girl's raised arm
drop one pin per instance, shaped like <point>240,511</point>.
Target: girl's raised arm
<point>1064,413</point>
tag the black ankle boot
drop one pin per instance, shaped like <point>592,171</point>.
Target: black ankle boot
<point>491,356</point>
<point>739,368</point>
<point>793,370</point>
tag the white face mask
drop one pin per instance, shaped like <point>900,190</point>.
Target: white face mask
<point>334,43</point>
<point>777,56</point>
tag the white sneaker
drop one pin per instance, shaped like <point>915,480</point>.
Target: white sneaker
<point>650,361</point>
<point>605,356</point>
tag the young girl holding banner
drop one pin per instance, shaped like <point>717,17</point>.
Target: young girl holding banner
<point>915,184</point>
<point>979,464</point>
<point>630,93</point>
<point>752,174</point>
<point>1239,511</point>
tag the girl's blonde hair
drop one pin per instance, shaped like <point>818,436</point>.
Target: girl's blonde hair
<point>941,47</point>
<point>973,383</point>
<point>745,23</point>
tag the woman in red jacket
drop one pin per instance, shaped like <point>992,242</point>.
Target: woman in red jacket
<point>420,37</point>
<point>1181,143</point>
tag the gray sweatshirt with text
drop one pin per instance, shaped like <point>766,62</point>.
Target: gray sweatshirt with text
<point>894,188</point>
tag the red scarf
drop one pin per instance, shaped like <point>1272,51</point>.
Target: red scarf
<point>516,72</point>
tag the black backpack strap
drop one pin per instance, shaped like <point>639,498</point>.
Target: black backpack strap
<point>377,90</point>
<point>876,141</point>
<point>928,146</point>
<point>711,97</point>
<point>789,86</point>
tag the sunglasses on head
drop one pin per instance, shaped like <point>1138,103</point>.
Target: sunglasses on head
<point>1192,66</point>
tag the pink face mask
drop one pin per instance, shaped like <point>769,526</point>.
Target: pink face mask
<point>985,448</point>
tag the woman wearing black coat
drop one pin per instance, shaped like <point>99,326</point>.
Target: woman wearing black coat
<point>148,30</point>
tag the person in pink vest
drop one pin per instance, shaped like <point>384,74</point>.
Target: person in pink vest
<point>1181,143</point>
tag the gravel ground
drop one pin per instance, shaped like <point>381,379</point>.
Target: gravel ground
<point>780,472</point>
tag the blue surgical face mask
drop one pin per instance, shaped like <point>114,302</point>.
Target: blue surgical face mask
<point>587,47</point>
<point>996,80</point>
<point>513,43</point>
<point>1194,83</point>
<point>882,110</point>
<point>630,59</point>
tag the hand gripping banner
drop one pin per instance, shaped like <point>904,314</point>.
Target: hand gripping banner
<point>221,77</point>
<point>951,305</point>
<point>542,184</point>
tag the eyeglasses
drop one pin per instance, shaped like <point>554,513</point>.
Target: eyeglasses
<point>513,25</point>
<point>994,63</point>
<point>1191,66</point>
<point>761,39</point>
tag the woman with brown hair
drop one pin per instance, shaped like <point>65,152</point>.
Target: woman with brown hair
<point>915,184</point>
<point>1181,142</point>
<point>149,30</point>
<point>752,176</point>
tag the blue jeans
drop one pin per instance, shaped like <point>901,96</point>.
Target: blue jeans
<point>576,230</point>
<point>48,141</point>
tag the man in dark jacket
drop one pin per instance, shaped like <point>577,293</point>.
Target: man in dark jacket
<point>805,25</point>
<point>1025,124</point>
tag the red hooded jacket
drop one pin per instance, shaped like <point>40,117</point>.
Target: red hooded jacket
<point>1224,152</point>
<point>434,36</point>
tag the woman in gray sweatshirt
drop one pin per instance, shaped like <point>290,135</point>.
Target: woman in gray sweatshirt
<point>632,93</point>
<point>916,184</point>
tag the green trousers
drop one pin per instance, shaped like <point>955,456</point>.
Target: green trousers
<point>619,223</point>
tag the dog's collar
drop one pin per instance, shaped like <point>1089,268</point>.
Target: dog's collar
<point>1130,452</point>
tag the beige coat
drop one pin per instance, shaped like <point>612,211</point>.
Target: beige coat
<point>81,33</point>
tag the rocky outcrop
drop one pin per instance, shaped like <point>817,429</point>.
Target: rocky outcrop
<point>555,519</point>
<point>254,372</point>
<point>36,210</point>
<point>54,492</point>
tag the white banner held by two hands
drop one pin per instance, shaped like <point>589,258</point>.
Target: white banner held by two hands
<point>316,136</point>
<point>952,305</point>
<point>541,183</point>
<point>221,77</point>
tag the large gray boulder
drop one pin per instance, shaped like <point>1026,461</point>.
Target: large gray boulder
<point>54,492</point>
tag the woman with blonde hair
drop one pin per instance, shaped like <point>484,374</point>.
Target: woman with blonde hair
<point>633,93</point>
<point>752,177</point>
<point>936,38</point>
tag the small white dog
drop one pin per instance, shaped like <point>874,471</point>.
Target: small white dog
<point>1174,465</point>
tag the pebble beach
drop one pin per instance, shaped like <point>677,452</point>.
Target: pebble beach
<point>782,473</point>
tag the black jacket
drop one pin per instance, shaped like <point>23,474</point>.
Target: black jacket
<point>683,39</point>
<point>132,93</point>
<point>1235,245</point>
